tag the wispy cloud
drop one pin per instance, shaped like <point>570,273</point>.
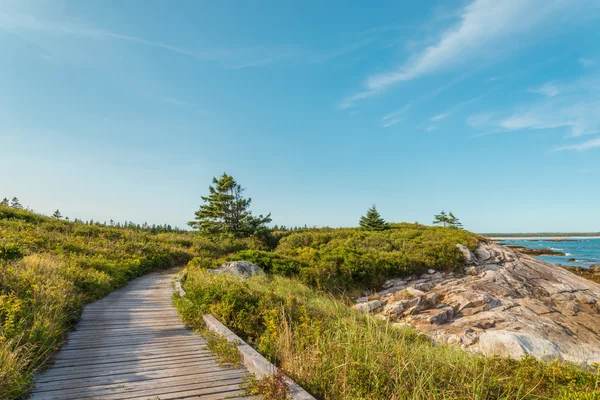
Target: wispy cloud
<point>19,22</point>
<point>480,120</point>
<point>482,26</point>
<point>459,106</point>
<point>590,144</point>
<point>547,89</point>
<point>572,107</point>
<point>439,117</point>
<point>482,23</point>
<point>395,117</point>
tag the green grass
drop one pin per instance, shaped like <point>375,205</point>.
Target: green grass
<point>49,269</point>
<point>336,353</point>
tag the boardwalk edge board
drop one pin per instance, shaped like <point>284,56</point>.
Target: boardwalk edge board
<point>251,359</point>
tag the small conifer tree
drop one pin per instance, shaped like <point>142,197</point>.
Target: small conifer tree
<point>4,202</point>
<point>57,214</point>
<point>226,212</point>
<point>14,203</point>
<point>453,221</point>
<point>372,221</point>
<point>441,219</point>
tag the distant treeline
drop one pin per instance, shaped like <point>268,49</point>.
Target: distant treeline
<point>145,227</point>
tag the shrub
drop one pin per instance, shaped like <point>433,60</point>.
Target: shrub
<point>10,252</point>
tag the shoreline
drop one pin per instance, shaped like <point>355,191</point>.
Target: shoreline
<point>565,238</point>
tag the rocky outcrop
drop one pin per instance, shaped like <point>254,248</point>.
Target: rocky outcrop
<point>242,269</point>
<point>505,303</point>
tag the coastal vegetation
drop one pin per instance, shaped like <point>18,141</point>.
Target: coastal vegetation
<point>298,315</point>
<point>337,353</point>
<point>49,268</point>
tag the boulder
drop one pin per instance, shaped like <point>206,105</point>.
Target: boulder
<point>243,269</point>
<point>396,308</point>
<point>441,316</point>
<point>369,306</point>
<point>469,257</point>
<point>517,345</point>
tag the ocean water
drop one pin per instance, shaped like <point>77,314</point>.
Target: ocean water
<point>581,252</point>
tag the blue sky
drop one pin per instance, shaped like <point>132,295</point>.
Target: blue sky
<point>126,110</point>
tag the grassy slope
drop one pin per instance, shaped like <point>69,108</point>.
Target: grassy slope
<point>337,353</point>
<point>49,269</point>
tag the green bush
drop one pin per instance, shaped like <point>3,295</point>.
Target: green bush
<point>10,252</point>
<point>270,262</point>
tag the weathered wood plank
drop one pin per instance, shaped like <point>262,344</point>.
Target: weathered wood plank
<point>67,373</point>
<point>132,345</point>
<point>150,387</point>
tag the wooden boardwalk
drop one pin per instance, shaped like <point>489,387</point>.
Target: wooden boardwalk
<point>132,345</point>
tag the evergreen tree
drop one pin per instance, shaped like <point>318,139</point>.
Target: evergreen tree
<point>57,214</point>
<point>453,221</point>
<point>441,219</point>
<point>4,202</point>
<point>226,212</point>
<point>372,221</point>
<point>14,203</point>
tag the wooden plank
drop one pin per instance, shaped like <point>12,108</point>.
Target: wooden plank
<point>93,344</point>
<point>132,344</point>
<point>66,373</point>
<point>120,378</point>
<point>125,390</point>
<point>107,353</point>
<point>86,362</point>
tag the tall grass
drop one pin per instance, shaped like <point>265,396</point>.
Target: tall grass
<point>336,353</point>
<point>49,269</point>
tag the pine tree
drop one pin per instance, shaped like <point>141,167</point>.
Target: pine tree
<point>226,212</point>
<point>14,203</point>
<point>4,202</point>
<point>441,218</point>
<point>372,221</point>
<point>57,214</point>
<point>453,221</point>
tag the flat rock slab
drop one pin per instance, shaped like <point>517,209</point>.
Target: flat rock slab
<point>132,345</point>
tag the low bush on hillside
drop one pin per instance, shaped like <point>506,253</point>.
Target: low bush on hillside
<point>336,353</point>
<point>342,260</point>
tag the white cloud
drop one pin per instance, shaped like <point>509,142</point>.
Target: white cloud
<point>483,23</point>
<point>438,117</point>
<point>349,102</point>
<point>484,30</point>
<point>548,89</point>
<point>579,116</point>
<point>478,121</point>
<point>395,117</point>
<point>590,144</point>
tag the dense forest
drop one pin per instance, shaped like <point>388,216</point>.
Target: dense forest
<point>297,314</point>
